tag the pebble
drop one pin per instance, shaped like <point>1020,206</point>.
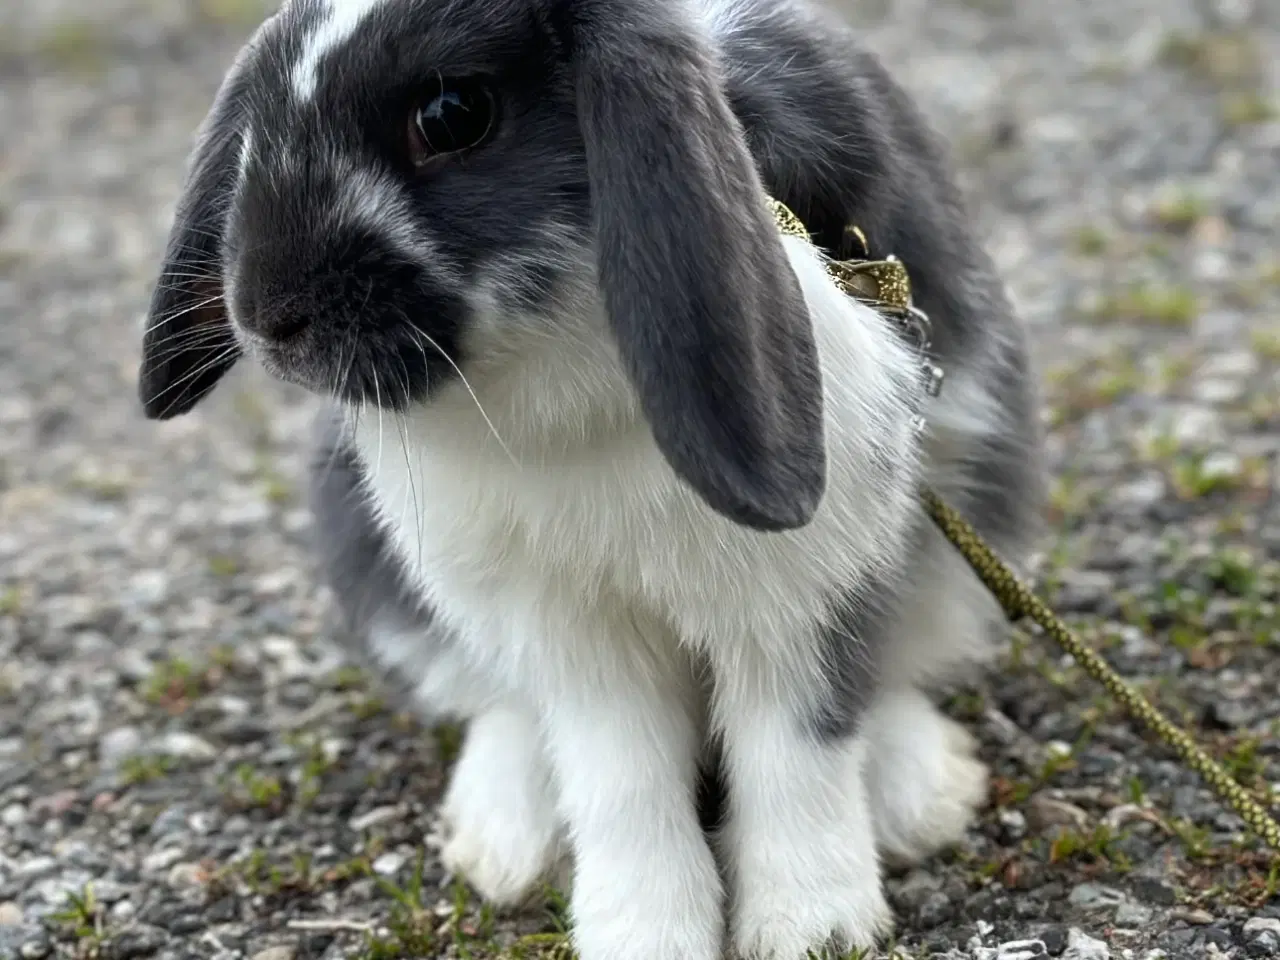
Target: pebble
<point>1233,14</point>
<point>1144,491</point>
<point>133,665</point>
<point>10,915</point>
<point>171,820</point>
<point>233,706</point>
<point>247,516</point>
<point>1155,890</point>
<point>1264,944</point>
<point>1195,916</point>
<point>241,730</point>
<point>1196,426</point>
<point>1091,896</point>
<point>1220,391</point>
<point>55,804</point>
<point>1045,812</point>
<point>1124,814</point>
<point>37,867</point>
<point>936,909</point>
<point>376,817</point>
<point>13,815</point>
<point>279,648</point>
<point>1230,714</point>
<point>1013,824</point>
<point>186,746</point>
<point>389,864</point>
<point>188,875</point>
<point>1221,465</point>
<point>1021,950</point>
<point>275,953</point>
<point>1256,925</point>
<point>1081,946</point>
<point>1083,590</point>
<point>159,860</point>
<point>109,891</point>
<point>1054,940</point>
<point>137,941</point>
<point>915,888</point>
<point>122,911</point>
<point>1130,914</point>
<point>115,746</point>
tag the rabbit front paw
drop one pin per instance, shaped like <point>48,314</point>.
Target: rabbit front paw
<point>924,779</point>
<point>502,832</point>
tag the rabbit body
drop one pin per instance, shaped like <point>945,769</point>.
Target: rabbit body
<point>623,479</point>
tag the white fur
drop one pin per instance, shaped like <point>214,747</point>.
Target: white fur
<point>445,684</point>
<point>586,580</point>
<point>801,845</point>
<point>375,201</point>
<point>339,21</point>
<point>923,776</point>
<point>246,155</point>
<point>499,812</point>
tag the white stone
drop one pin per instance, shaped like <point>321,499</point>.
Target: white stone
<point>388,864</point>
<point>1256,925</point>
<point>1081,946</point>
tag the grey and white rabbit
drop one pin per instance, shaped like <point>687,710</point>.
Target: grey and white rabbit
<point>609,467</point>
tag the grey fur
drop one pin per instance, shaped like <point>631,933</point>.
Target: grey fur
<point>858,624</point>
<point>707,313</point>
<point>356,559</point>
<point>188,343</point>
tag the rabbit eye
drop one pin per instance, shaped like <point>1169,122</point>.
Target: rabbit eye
<point>454,115</point>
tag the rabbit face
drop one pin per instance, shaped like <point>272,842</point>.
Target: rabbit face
<point>374,159</point>
<point>385,189</point>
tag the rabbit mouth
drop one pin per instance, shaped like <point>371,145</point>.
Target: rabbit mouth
<point>287,360</point>
<point>390,370</point>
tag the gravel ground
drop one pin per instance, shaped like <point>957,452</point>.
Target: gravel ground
<point>188,770</point>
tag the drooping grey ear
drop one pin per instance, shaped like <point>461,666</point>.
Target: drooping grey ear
<point>189,343</point>
<point>708,315</point>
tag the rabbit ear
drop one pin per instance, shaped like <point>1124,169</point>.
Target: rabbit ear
<point>707,313</point>
<point>189,343</point>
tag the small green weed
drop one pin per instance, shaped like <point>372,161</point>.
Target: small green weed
<point>83,919</point>
<point>176,682</point>
<point>145,768</point>
<point>1171,306</point>
<point>255,789</point>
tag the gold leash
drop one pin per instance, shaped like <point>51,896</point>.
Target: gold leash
<point>885,285</point>
<point>1020,603</point>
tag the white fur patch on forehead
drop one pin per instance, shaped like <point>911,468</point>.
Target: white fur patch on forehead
<point>246,153</point>
<point>338,20</point>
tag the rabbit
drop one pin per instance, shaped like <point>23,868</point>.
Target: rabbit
<point>606,465</point>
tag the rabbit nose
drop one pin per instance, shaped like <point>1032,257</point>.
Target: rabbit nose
<point>274,323</point>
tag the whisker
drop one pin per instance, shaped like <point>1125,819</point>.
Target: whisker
<point>204,304</point>
<point>404,446</point>
<point>206,366</point>
<point>214,276</point>
<point>466,384</point>
<point>193,334</point>
<point>377,389</point>
<point>205,342</point>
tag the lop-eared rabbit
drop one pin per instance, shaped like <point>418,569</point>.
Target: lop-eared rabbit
<point>607,466</point>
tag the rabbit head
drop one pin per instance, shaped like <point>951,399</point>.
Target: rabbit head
<point>366,162</point>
